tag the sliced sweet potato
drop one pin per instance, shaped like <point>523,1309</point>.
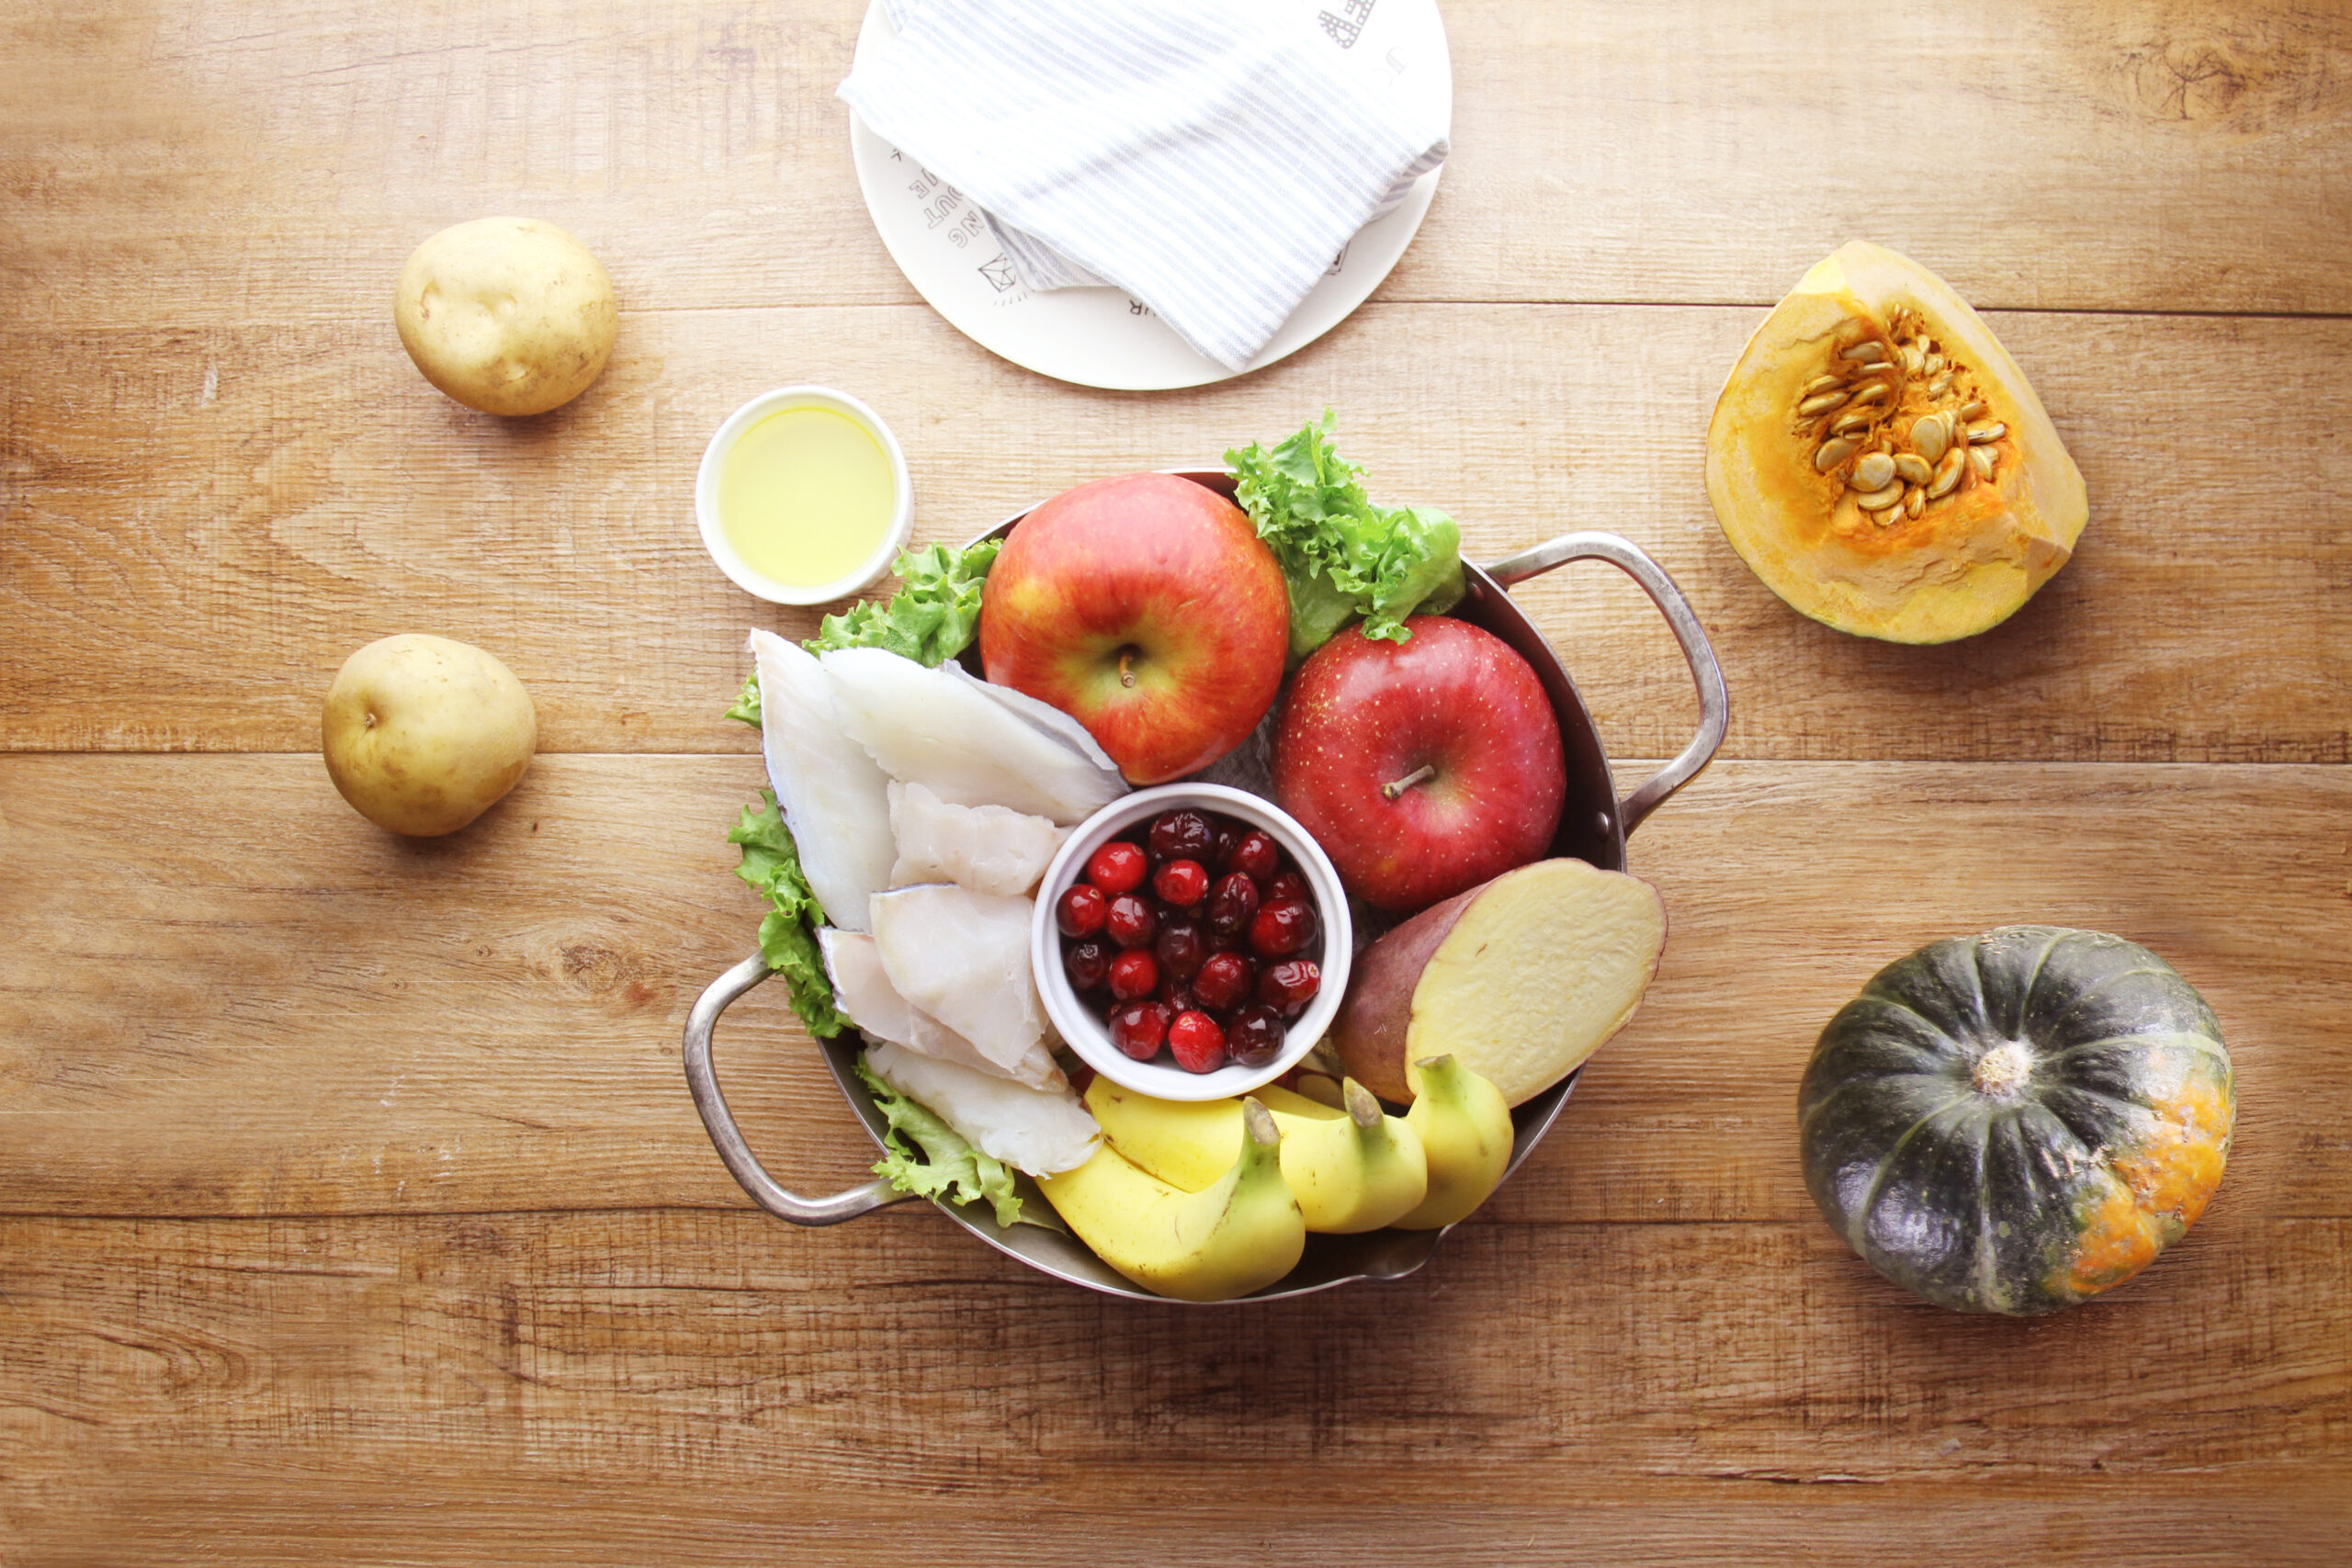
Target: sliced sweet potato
<point>1521,978</point>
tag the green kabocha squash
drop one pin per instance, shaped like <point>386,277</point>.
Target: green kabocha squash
<point>2016,1121</point>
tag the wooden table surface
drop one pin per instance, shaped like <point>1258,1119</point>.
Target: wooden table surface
<point>352,1206</point>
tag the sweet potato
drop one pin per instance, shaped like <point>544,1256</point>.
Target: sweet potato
<point>1521,978</point>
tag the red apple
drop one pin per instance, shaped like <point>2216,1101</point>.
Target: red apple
<point>1146,608</point>
<point>1424,767</point>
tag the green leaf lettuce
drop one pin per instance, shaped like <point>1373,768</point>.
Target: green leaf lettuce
<point>745,708</point>
<point>933,615</point>
<point>1342,555</point>
<point>947,1165</point>
<point>771,865</point>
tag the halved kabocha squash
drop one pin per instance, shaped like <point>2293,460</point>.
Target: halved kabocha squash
<point>1881,463</point>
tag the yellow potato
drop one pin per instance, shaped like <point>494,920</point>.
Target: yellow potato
<point>508,315</point>
<point>423,735</point>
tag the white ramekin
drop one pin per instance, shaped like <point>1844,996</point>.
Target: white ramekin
<point>1161,1077</point>
<point>714,537</point>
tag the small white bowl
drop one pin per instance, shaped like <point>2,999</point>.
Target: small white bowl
<point>1161,1077</point>
<point>714,537</point>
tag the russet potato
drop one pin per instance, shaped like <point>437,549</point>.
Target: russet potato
<point>508,315</point>
<point>423,735</point>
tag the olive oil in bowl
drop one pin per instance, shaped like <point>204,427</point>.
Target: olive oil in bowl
<point>803,496</point>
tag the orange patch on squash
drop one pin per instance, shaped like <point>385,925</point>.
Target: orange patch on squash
<point>2162,1184</point>
<point>2117,1240</point>
<point>2174,1170</point>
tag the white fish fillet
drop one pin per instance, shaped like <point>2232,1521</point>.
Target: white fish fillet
<point>835,799</point>
<point>963,957</point>
<point>865,992</point>
<point>985,848</point>
<point>938,728</point>
<point>1046,717</point>
<point>1039,1131</point>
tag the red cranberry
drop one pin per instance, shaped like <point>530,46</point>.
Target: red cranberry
<point>1290,985</point>
<point>1134,974</point>
<point>1182,834</point>
<point>1080,910</point>
<point>1117,867</point>
<point>1222,982</point>
<point>1087,962</point>
<point>1198,1043</point>
<point>1137,1029</point>
<point>1256,856</point>
<point>1175,995</point>
<point>1180,947</point>
<point>1279,929</point>
<point>1232,904</point>
<point>1183,883</point>
<point>1229,835</point>
<point>1131,921</point>
<point>1255,1036</point>
<point>1289,887</point>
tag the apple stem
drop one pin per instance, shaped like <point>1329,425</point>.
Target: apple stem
<point>1395,787</point>
<point>1127,676</point>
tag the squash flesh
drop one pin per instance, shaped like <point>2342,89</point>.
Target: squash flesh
<point>1971,556</point>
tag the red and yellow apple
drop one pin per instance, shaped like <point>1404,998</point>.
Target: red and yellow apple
<point>1146,608</point>
<point>1422,767</point>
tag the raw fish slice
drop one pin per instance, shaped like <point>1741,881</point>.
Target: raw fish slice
<point>1047,718</point>
<point>937,728</point>
<point>835,800</point>
<point>963,957</point>
<point>985,848</point>
<point>1043,1132</point>
<point>865,992</point>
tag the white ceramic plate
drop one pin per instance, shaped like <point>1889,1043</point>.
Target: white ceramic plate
<point>1101,337</point>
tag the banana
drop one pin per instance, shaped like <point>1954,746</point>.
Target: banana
<point>1465,1128</point>
<point>1353,1171</point>
<point>1239,1234</point>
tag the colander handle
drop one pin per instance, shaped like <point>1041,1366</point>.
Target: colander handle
<point>741,1164</point>
<point>1715,698</point>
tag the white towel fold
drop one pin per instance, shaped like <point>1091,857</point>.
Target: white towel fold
<point>1210,157</point>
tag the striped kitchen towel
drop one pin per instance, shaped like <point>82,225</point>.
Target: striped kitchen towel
<point>1210,157</point>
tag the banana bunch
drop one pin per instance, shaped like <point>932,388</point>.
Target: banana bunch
<point>1205,1201</point>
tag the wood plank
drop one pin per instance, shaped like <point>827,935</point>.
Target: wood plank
<point>1606,1388</point>
<point>276,160</point>
<point>216,1510</point>
<point>200,525</point>
<point>229,995</point>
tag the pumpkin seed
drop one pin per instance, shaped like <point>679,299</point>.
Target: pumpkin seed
<point>1929,436</point>
<point>1947,473</point>
<point>1873,472</point>
<point>1970,409</point>
<point>1981,458</point>
<point>1865,354</point>
<point>1880,500</point>
<point>1912,359</point>
<point>1915,503</point>
<point>1833,452</point>
<point>1851,420</point>
<point>1870,393</point>
<point>1933,363</point>
<point>1915,470</point>
<point>1978,434</point>
<point>1820,403</point>
<point>1821,384</point>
